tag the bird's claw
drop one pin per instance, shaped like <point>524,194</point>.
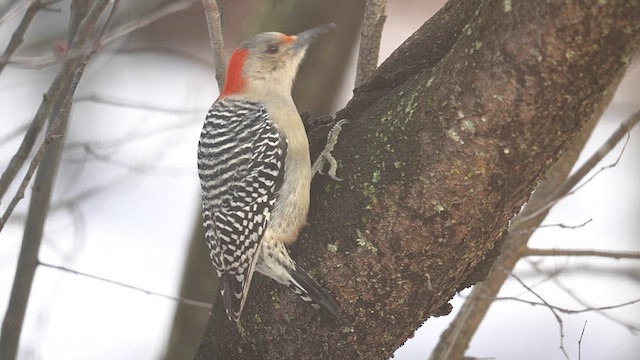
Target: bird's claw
<point>326,156</point>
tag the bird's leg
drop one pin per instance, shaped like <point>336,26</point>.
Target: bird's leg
<point>325,155</point>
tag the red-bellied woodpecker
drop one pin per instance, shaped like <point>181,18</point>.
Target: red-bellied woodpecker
<point>255,172</point>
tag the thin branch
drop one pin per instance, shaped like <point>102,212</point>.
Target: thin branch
<point>196,303</point>
<point>553,311</point>
<point>633,328</point>
<point>577,252</point>
<point>8,14</point>
<point>581,173</point>
<point>54,58</point>
<point>564,226</point>
<point>212,12</point>
<point>565,310</point>
<point>580,341</point>
<point>372,26</point>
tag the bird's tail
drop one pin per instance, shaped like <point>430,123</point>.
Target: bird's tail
<point>310,291</point>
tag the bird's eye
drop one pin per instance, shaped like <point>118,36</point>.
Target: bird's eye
<point>272,49</point>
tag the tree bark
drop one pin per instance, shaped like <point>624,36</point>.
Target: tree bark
<point>446,143</point>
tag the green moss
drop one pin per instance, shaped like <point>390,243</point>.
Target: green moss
<point>376,176</point>
<point>362,241</point>
<point>468,126</point>
<point>506,5</point>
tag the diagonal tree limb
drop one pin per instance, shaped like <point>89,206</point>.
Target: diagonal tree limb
<point>456,339</point>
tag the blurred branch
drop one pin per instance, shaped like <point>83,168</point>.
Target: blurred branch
<point>577,252</point>
<point>212,12</point>
<point>126,103</point>
<point>155,15</point>
<point>54,58</point>
<point>45,178</point>
<point>51,100</point>
<point>19,195</point>
<point>7,14</point>
<point>14,133</point>
<point>374,19</point>
<point>18,36</point>
<point>206,63</point>
<point>196,303</point>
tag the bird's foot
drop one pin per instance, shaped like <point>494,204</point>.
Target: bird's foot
<point>325,155</point>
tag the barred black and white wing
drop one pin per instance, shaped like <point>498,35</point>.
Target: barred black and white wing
<point>241,159</point>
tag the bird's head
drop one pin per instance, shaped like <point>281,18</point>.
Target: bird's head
<point>267,63</point>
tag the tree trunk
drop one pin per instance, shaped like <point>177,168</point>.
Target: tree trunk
<point>445,145</point>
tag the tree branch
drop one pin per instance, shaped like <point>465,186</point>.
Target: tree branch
<point>55,58</point>
<point>214,25</point>
<point>372,27</point>
<point>190,302</point>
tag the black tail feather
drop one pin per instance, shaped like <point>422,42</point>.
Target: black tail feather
<point>310,291</point>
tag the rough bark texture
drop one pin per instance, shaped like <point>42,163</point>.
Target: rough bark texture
<point>446,143</point>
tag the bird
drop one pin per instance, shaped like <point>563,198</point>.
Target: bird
<point>255,171</point>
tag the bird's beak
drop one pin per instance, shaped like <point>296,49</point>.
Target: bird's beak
<point>307,37</point>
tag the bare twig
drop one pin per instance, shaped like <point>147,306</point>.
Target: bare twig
<point>54,58</point>
<point>553,311</point>
<point>372,26</point>
<point>212,12</point>
<point>623,130</point>
<point>565,226</point>
<point>580,341</point>
<point>579,252</point>
<point>632,327</point>
<point>565,310</point>
<point>196,303</point>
